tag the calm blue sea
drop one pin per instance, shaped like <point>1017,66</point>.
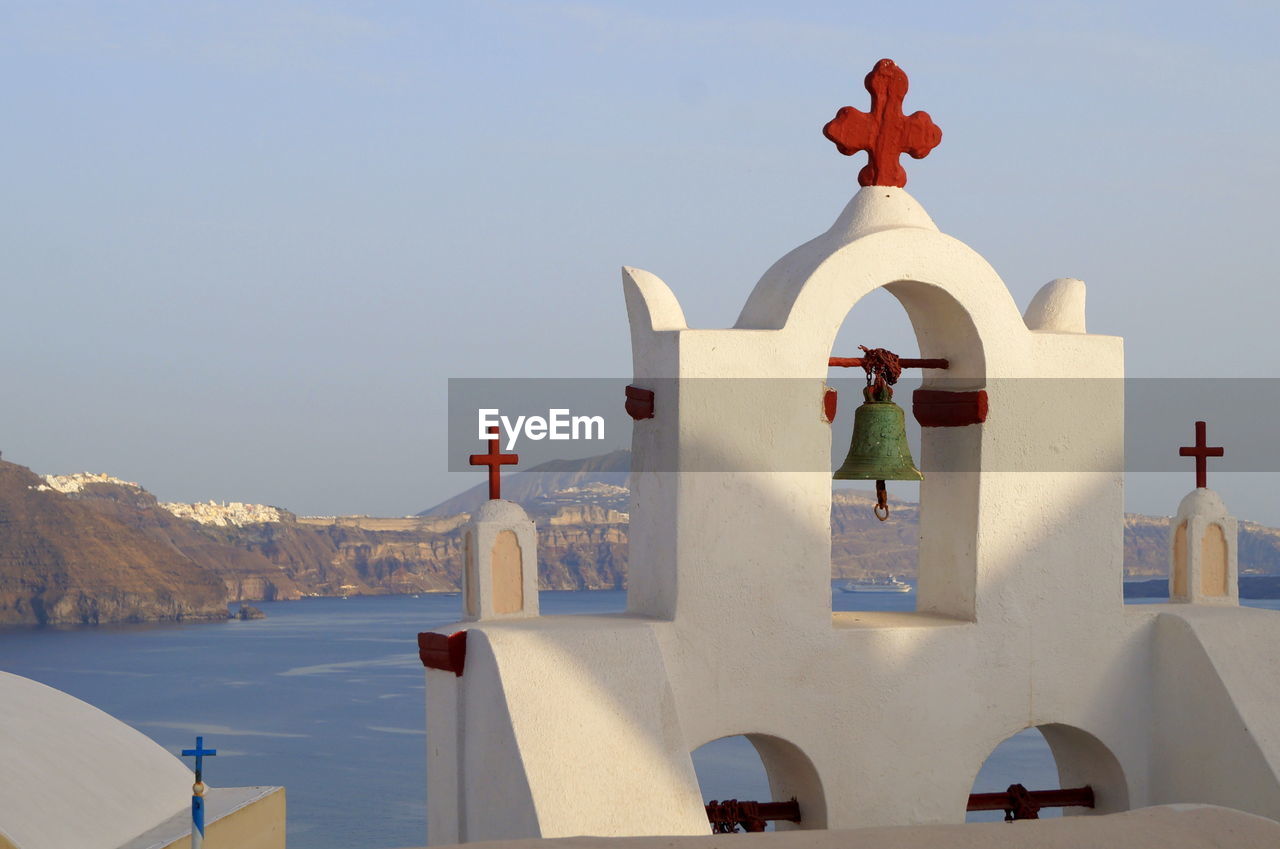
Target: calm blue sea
<point>325,696</point>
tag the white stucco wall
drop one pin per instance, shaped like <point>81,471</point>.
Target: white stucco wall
<point>876,719</point>
<point>1216,731</point>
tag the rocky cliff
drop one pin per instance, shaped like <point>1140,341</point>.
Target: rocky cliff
<point>62,562</point>
<point>244,572</point>
<point>583,546</point>
<point>105,550</point>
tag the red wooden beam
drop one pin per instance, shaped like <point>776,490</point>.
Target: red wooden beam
<point>1019,803</point>
<point>725,817</point>
<point>856,362</point>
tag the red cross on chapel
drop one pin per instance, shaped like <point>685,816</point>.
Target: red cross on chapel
<point>1202,452</point>
<point>494,459</point>
<point>884,132</point>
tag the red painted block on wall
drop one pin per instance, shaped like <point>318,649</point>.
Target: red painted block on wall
<point>639,403</point>
<point>938,408</point>
<point>443,651</point>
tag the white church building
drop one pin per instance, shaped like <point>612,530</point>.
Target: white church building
<point>557,726</point>
<point>553,726</point>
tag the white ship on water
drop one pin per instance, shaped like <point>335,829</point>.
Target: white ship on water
<point>890,584</point>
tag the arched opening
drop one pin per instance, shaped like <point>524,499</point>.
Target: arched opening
<point>906,563</point>
<point>873,563</point>
<point>761,768</point>
<point>1053,757</point>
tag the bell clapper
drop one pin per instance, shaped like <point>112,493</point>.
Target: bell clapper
<point>882,502</point>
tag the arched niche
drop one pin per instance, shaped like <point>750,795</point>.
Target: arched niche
<point>1215,571</point>
<point>1180,584</point>
<point>949,457</point>
<point>470,575</point>
<point>1055,756</point>
<point>508,573</point>
<point>787,769</point>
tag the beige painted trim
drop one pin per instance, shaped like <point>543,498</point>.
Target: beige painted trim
<point>1213,562</point>
<point>1180,562</point>
<point>471,581</point>
<point>258,825</point>
<point>508,574</point>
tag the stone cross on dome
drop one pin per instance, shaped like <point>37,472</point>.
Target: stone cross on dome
<point>1201,451</point>
<point>494,459</point>
<point>884,132</point>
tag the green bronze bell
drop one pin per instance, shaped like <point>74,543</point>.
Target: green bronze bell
<point>878,449</point>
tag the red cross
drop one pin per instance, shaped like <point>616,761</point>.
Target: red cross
<point>884,132</point>
<point>1201,452</point>
<point>494,459</point>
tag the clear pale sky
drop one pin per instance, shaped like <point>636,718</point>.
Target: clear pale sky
<point>244,245</point>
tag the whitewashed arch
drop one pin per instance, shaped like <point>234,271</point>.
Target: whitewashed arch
<point>792,774</point>
<point>1082,759</point>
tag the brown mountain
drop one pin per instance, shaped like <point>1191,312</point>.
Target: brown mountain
<point>111,553</point>
<point>290,559</point>
<point>63,562</point>
<point>245,573</point>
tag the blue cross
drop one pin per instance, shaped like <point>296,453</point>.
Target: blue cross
<point>198,753</point>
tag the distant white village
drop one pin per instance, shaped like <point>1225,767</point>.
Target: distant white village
<point>235,513</point>
<point>78,481</point>
<point>207,513</point>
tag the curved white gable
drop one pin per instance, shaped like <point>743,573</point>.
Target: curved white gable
<point>959,306</point>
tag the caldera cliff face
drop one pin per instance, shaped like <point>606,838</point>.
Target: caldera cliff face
<point>61,562</point>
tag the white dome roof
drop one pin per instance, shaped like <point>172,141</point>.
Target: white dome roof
<point>73,776</point>
<point>501,510</point>
<point>1202,502</point>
